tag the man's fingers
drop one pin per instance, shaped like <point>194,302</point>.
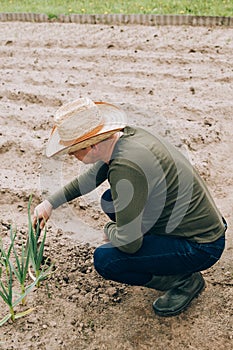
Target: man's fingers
<point>34,223</point>
<point>38,220</point>
<point>42,223</point>
<point>42,213</point>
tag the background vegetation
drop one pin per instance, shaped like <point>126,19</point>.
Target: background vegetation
<point>56,7</point>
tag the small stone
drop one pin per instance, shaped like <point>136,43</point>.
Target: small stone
<point>192,90</point>
<point>73,322</point>
<point>227,273</point>
<point>111,291</point>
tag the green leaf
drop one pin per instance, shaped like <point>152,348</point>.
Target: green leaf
<point>3,296</point>
<point>17,274</point>
<point>25,267</point>
<point>10,284</point>
<point>22,266</point>
<point>4,257</point>
<point>40,252</point>
<point>24,313</point>
<point>6,293</point>
<point>12,241</point>
<point>5,319</point>
<point>28,290</point>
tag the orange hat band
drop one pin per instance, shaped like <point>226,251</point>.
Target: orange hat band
<point>90,134</point>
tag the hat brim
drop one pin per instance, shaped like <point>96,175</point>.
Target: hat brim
<point>115,120</point>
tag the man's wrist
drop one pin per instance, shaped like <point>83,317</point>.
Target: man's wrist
<point>107,227</point>
<point>48,203</point>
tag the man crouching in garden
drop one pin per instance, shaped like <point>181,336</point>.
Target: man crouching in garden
<point>165,227</point>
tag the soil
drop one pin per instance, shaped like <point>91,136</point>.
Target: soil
<point>177,81</point>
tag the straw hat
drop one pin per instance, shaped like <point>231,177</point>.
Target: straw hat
<point>82,123</point>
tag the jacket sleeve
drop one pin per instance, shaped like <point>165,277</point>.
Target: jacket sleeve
<point>81,185</point>
<point>129,192</point>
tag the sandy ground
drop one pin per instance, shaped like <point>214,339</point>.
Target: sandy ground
<point>177,81</point>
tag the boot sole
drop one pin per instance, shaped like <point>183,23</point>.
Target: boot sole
<point>181,309</point>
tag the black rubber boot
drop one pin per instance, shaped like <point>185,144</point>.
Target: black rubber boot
<point>165,282</point>
<point>176,299</point>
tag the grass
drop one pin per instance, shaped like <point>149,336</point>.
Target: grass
<point>56,7</point>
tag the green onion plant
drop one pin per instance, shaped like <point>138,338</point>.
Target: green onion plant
<point>5,255</point>
<point>15,268</point>
<point>7,291</point>
<point>20,268</point>
<point>36,250</point>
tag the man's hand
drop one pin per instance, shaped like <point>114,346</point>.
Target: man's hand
<point>105,238</point>
<point>42,212</point>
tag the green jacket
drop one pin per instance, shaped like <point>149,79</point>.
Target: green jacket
<point>155,190</point>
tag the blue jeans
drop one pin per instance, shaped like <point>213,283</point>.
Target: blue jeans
<point>159,255</point>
